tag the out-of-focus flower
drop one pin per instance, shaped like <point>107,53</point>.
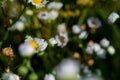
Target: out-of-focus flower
<point>43,15</point>
<point>92,77</point>
<point>49,77</point>
<point>38,3</point>
<point>76,29</point>
<point>29,12</point>
<point>89,49</point>
<point>32,45</point>
<point>53,15</point>
<point>83,35</point>
<point>111,50</point>
<point>96,47</point>
<point>86,70</point>
<point>62,39</point>
<point>19,25</point>
<point>89,75</point>
<point>10,76</point>
<point>104,42</point>
<point>68,69</point>
<point>52,41</point>
<point>62,28</point>
<point>101,53</point>
<point>94,22</point>
<point>55,5</point>
<point>113,17</point>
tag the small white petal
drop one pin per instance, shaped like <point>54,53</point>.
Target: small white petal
<point>111,50</point>
<point>83,35</point>
<point>112,17</point>
<point>49,77</point>
<point>26,50</point>
<point>104,42</point>
<point>76,29</point>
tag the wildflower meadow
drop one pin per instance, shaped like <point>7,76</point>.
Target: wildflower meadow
<point>59,39</point>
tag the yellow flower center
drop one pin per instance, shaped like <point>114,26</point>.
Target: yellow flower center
<point>37,1</point>
<point>34,44</point>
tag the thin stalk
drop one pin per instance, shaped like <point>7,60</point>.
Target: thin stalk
<point>83,15</point>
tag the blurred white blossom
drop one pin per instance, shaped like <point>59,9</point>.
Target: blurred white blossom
<point>43,15</point>
<point>62,28</point>
<point>32,45</point>
<point>68,69</point>
<point>29,12</point>
<point>112,17</point>
<point>19,26</point>
<point>101,53</point>
<point>105,42</point>
<point>62,39</point>
<point>111,50</point>
<point>53,15</point>
<point>55,5</point>
<point>10,76</point>
<point>53,41</point>
<point>49,77</point>
<point>94,22</point>
<point>76,29</point>
<point>83,35</point>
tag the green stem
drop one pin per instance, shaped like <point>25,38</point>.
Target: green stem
<point>6,33</point>
<point>4,38</point>
<point>27,62</point>
<point>3,12</point>
<point>83,15</point>
<point>19,16</point>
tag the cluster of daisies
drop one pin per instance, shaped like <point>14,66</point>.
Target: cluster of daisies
<point>68,69</point>
<point>51,13</point>
<point>35,45</point>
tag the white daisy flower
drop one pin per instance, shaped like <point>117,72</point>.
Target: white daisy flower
<point>38,3</point>
<point>53,15</point>
<point>10,76</point>
<point>101,53</point>
<point>62,28</point>
<point>96,47</point>
<point>76,29</point>
<point>113,17</point>
<point>19,26</point>
<point>89,49</point>
<point>49,77</point>
<point>53,41</point>
<point>104,42</point>
<point>26,49</point>
<point>44,15</point>
<point>55,5</point>
<point>37,43</point>
<point>68,69</point>
<point>92,77</point>
<point>62,39</point>
<point>94,22</point>
<point>32,46</point>
<point>111,50</point>
<point>83,35</point>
